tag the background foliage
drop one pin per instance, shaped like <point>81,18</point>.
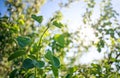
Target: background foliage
<point>30,50</point>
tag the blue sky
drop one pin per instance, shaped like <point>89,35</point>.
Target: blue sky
<point>3,9</point>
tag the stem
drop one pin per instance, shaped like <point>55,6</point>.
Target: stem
<point>117,56</point>
<point>40,41</point>
<point>43,35</point>
<point>35,72</point>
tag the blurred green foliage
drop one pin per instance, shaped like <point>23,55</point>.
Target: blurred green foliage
<point>29,50</point>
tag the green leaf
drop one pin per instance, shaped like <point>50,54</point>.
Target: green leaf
<point>35,48</point>
<point>99,49</point>
<point>16,54</point>
<point>28,64</point>
<point>68,76</point>
<point>37,18</point>
<point>29,75</point>
<point>48,55</point>
<point>56,62</point>
<point>71,70</point>
<point>13,73</point>
<point>102,43</point>
<point>32,76</point>
<point>107,23</point>
<point>57,24</point>
<point>55,71</point>
<point>38,64</point>
<point>32,56</point>
<point>23,41</point>
<point>60,39</point>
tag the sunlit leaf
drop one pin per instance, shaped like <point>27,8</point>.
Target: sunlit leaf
<point>21,22</point>
<point>60,39</point>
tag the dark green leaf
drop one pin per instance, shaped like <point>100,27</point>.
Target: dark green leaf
<point>102,43</point>
<point>13,73</point>
<point>99,49</point>
<point>23,41</point>
<point>56,62</point>
<point>16,54</point>
<point>107,23</point>
<point>28,64</point>
<point>68,76</point>
<point>57,24</point>
<point>37,18</point>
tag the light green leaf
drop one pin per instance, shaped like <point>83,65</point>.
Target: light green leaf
<point>60,39</point>
<point>16,54</point>
<point>23,41</point>
<point>37,18</point>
